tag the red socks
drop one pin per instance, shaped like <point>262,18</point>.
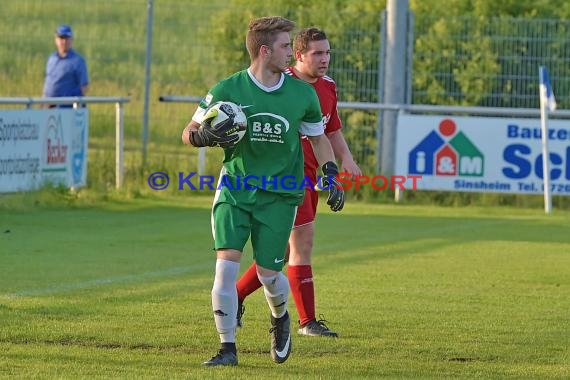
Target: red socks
<point>301,283</point>
<point>248,283</point>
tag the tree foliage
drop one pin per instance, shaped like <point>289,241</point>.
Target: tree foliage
<point>478,52</point>
<point>487,53</point>
<point>460,54</point>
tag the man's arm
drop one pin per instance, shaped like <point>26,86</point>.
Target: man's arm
<point>83,77</point>
<point>192,126</point>
<point>341,150</point>
<point>322,148</point>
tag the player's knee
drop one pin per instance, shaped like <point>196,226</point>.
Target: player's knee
<point>301,250</point>
<point>229,254</point>
<point>267,280</point>
<point>265,273</point>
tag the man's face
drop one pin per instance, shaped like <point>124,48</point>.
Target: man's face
<point>281,52</point>
<point>315,61</point>
<point>63,44</point>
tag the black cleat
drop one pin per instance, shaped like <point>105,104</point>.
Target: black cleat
<point>280,338</point>
<point>316,328</point>
<point>224,358</point>
<point>240,311</point>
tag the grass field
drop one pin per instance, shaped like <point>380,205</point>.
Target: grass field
<point>121,289</point>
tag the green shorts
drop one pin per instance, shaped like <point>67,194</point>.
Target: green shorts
<point>265,216</point>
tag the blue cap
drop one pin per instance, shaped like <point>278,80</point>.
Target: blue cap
<point>64,31</point>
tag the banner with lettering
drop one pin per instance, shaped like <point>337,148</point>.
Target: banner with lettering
<point>39,147</point>
<point>482,154</point>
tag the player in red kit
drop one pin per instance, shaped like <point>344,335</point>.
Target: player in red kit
<point>312,54</point>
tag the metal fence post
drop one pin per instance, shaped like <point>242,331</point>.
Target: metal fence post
<point>381,84</point>
<point>119,145</point>
<point>148,61</point>
<point>394,90</point>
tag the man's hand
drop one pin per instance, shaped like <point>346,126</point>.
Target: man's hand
<point>332,184</point>
<point>221,134</point>
<point>350,167</point>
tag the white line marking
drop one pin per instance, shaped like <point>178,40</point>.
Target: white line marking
<point>97,282</point>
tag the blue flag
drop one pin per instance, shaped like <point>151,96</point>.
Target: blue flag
<point>546,89</point>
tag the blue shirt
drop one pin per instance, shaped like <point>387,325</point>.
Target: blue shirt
<point>65,75</point>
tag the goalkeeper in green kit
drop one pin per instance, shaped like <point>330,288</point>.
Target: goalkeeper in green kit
<point>279,108</point>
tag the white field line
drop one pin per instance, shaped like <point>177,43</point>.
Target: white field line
<point>97,282</point>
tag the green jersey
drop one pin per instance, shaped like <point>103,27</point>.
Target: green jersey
<point>270,155</point>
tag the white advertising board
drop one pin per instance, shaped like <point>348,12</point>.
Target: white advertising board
<point>43,146</point>
<point>482,154</point>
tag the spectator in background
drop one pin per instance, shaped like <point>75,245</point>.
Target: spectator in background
<point>66,70</point>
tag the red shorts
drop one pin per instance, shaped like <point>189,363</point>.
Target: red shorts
<point>308,209</point>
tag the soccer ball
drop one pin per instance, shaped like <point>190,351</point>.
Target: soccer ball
<point>228,110</point>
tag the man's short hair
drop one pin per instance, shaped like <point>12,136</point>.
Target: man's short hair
<point>302,39</point>
<point>264,31</point>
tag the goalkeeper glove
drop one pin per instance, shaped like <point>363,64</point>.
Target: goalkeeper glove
<point>332,184</point>
<point>222,134</point>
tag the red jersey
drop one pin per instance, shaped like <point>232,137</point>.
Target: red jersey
<point>326,91</point>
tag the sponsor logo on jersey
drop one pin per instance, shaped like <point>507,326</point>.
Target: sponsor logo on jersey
<point>326,119</point>
<point>268,127</point>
